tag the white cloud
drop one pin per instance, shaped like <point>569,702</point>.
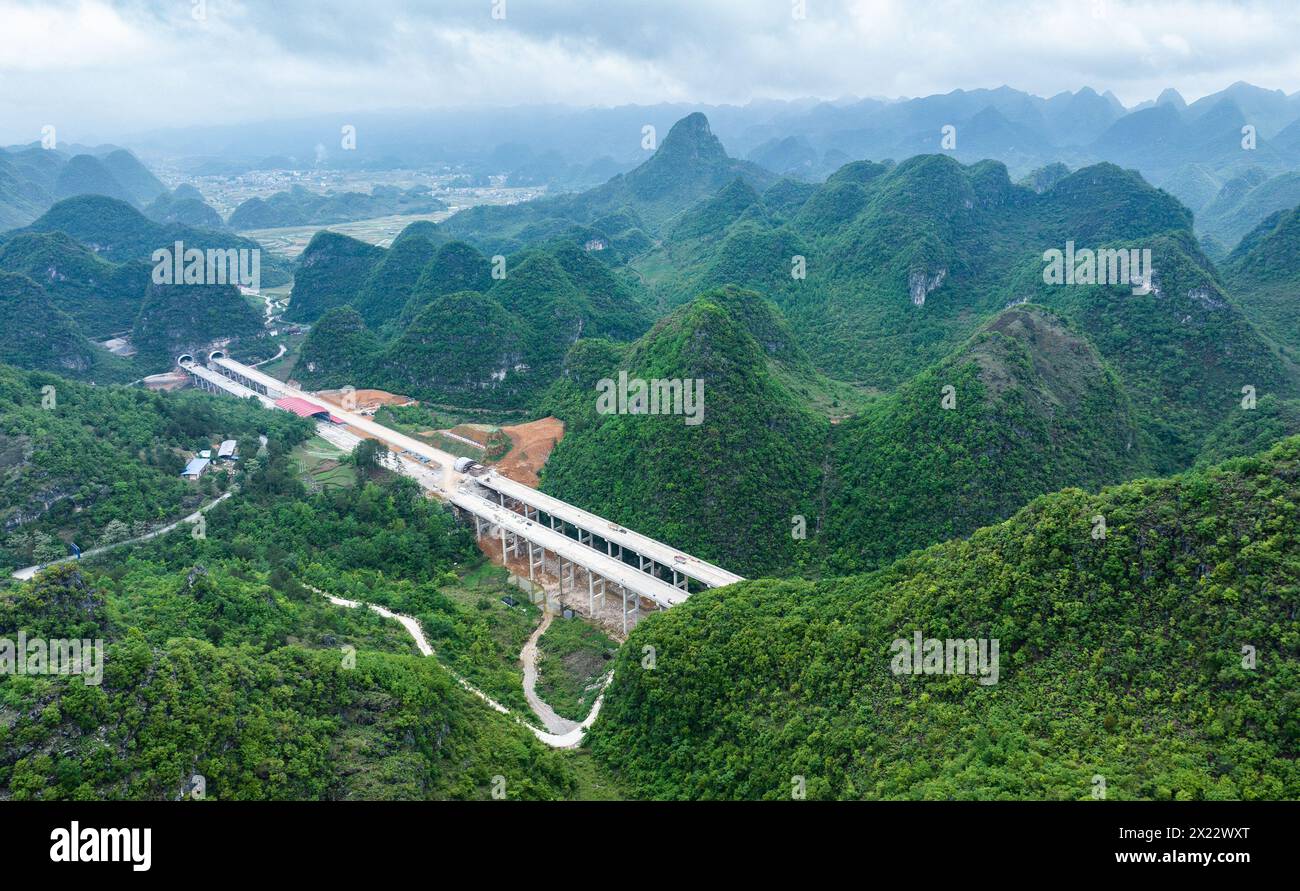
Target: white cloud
<point>112,67</point>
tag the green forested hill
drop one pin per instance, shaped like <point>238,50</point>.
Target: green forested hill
<point>135,178</point>
<point>90,296</point>
<point>540,291</point>
<point>24,192</point>
<point>1242,203</point>
<point>339,352</point>
<point>36,334</point>
<point>727,488</point>
<point>388,287</point>
<point>456,267</point>
<point>101,297</point>
<point>185,206</point>
<point>302,207</point>
<point>464,349</point>
<point>1120,657</point>
<point>176,319</point>
<point>331,272</point>
<point>290,724</point>
<point>1031,409</point>
<point>1183,352</point>
<point>1248,432</point>
<point>116,231</point>
<point>689,164</point>
<point>33,178</point>
<point>437,325</point>
<point>87,175</point>
<point>1264,271</point>
<point>426,229</point>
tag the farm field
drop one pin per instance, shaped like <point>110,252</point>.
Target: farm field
<point>320,465</point>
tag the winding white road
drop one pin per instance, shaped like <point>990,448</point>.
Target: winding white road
<point>554,723</point>
<point>560,733</point>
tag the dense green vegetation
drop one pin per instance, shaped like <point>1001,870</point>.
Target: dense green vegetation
<point>456,267</point>
<point>573,660</point>
<point>330,272</point>
<point>185,206</point>
<point>35,334</point>
<point>1031,409</point>
<point>102,463</point>
<point>1251,430</point>
<point>1119,656</point>
<point>463,349</point>
<point>90,259</point>
<point>176,319</point>
<point>728,487</point>
<point>437,324</point>
<point>257,718</point>
<point>101,297</point>
<point>387,290</point>
<point>116,231</point>
<point>1264,270</point>
<point>302,207</point>
<point>224,662</point>
<point>338,352</point>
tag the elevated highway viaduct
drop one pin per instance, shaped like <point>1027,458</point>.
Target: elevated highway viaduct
<point>593,554</point>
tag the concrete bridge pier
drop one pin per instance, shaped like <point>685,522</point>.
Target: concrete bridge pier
<point>592,593</point>
<point>636,607</point>
<point>540,563</point>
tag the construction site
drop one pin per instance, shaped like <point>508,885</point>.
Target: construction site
<point>555,551</point>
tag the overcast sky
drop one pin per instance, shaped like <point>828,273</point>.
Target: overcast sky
<point>98,69</point>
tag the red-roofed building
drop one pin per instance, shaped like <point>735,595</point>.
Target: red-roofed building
<point>304,409</point>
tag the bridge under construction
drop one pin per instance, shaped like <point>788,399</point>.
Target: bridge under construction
<point>591,556</point>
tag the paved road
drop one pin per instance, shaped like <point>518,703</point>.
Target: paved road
<point>449,484</point>
<point>28,571</point>
<point>663,554</point>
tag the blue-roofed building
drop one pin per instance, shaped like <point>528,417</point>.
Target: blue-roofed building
<point>195,468</point>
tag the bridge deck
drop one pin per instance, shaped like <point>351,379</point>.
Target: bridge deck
<point>272,385</point>
<point>393,438</point>
<point>611,568</point>
<point>449,482</point>
<point>663,554</point>
<point>232,387</point>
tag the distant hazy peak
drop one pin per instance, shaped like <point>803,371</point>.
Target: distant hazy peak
<point>1170,96</point>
